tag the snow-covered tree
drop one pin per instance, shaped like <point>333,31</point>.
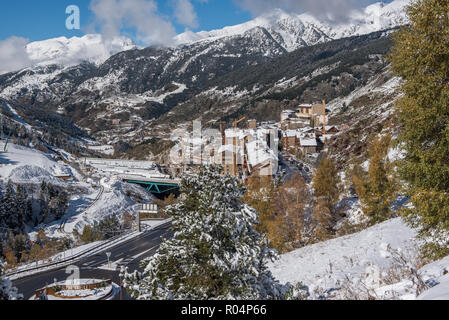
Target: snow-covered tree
<point>215,252</point>
<point>7,292</point>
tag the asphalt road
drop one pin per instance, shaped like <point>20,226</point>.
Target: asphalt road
<point>294,167</point>
<point>128,254</point>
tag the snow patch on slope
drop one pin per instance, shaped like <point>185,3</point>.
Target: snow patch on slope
<point>25,165</point>
<point>348,255</point>
<point>75,50</point>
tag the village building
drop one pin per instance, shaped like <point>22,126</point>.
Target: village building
<point>308,145</point>
<point>287,114</point>
<point>252,124</point>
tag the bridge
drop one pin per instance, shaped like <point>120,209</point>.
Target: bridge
<point>156,185</point>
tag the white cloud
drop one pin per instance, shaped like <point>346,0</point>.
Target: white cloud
<point>13,54</point>
<point>185,14</point>
<point>330,10</point>
<point>114,16</point>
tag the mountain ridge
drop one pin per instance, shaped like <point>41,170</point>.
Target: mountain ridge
<point>291,31</point>
<point>296,30</point>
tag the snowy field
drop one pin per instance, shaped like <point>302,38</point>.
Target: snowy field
<point>25,165</point>
<point>364,256</point>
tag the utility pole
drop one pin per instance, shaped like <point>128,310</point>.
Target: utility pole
<point>139,229</point>
<point>221,131</point>
<point>235,145</point>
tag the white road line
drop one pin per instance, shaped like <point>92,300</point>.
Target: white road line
<point>139,255</point>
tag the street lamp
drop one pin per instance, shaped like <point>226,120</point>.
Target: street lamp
<point>108,254</point>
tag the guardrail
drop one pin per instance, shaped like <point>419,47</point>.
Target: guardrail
<point>99,195</point>
<point>68,261</point>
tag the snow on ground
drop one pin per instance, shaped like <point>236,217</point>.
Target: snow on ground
<point>105,149</point>
<point>363,260</point>
<point>440,271</point>
<point>388,88</point>
<point>114,200</point>
<point>346,255</point>
<point>25,165</point>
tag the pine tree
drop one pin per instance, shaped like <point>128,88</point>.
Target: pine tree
<point>377,188</point>
<point>327,184</point>
<point>61,205</point>
<point>215,253</point>
<point>9,208</point>
<point>291,201</point>
<point>260,195</point>
<point>88,235</point>
<point>421,57</point>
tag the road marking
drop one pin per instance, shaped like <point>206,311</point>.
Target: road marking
<point>129,260</point>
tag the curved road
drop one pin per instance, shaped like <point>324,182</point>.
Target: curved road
<point>64,222</point>
<point>128,254</point>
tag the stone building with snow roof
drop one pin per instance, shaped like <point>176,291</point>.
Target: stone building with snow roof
<point>308,144</point>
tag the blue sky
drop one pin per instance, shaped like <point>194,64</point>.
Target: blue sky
<point>44,19</point>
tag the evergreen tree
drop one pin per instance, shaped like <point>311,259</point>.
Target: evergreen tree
<point>377,188</point>
<point>108,227</point>
<point>88,235</point>
<point>421,57</point>
<point>62,202</point>
<point>22,206</point>
<point>291,202</point>
<point>260,195</point>
<point>323,221</point>
<point>215,253</point>
<point>7,292</point>
<point>8,208</point>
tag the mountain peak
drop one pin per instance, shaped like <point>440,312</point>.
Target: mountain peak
<point>297,30</point>
<point>71,51</point>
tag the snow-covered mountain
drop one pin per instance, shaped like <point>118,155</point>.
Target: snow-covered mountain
<point>154,86</point>
<point>92,48</point>
<point>288,30</point>
<point>293,31</point>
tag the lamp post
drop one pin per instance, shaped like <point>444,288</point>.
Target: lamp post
<point>108,254</point>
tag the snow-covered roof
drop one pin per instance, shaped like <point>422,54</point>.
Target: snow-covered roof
<point>307,142</point>
<point>258,152</point>
<point>290,133</point>
<point>328,128</point>
<point>232,133</point>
